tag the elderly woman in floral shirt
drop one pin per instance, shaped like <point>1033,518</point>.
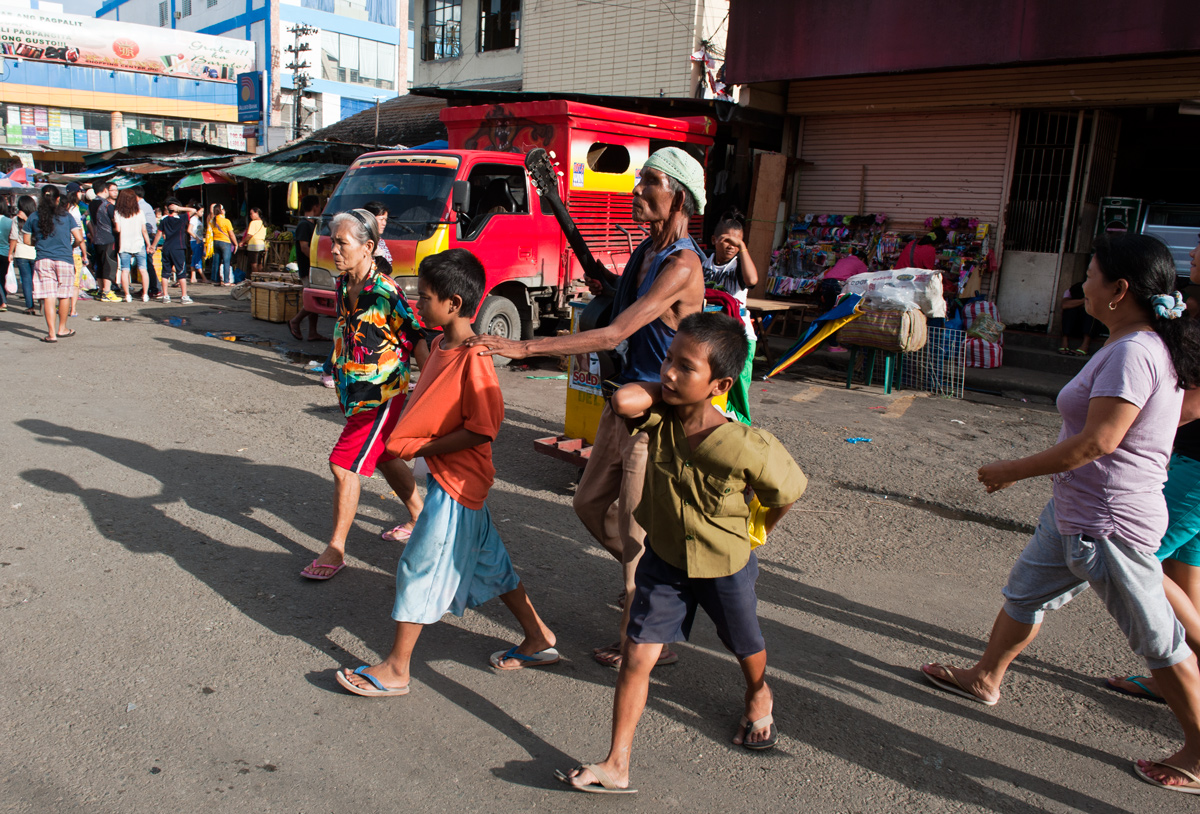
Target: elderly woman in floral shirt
<point>374,339</point>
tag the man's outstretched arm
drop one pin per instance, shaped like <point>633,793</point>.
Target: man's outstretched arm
<point>677,273</point>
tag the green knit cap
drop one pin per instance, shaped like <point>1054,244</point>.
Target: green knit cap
<point>683,168</point>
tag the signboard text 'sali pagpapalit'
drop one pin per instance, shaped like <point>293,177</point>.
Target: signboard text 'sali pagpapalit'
<point>96,43</point>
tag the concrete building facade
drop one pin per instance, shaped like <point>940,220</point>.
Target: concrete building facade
<point>70,86</point>
<point>568,46</point>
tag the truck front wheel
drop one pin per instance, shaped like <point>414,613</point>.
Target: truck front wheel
<point>498,317</point>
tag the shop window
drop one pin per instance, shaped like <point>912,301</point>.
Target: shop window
<point>441,33</point>
<point>499,24</point>
<point>611,158</point>
<point>1057,185</point>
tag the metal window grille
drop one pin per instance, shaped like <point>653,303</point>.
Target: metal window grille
<point>162,14</point>
<point>939,367</point>
<point>187,8</point>
<point>211,3</point>
<point>441,35</point>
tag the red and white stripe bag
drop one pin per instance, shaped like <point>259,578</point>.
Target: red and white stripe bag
<point>980,352</point>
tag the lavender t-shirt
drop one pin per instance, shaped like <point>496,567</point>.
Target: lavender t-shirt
<point>1121,494</point>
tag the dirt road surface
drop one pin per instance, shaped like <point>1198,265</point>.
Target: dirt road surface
<point>162,489</point>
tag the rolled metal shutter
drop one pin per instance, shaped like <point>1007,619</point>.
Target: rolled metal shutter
<point>908,166</point>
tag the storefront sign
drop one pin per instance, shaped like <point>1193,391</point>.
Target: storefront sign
<point>250,96</point>
<point>76,40</point>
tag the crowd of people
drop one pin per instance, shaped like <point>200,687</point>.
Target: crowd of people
<point>109,235</point>
<point>673,484</point>
<point>680,527</point>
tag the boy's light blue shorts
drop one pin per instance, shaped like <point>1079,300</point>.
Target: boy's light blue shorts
<point>454,560</point>
<point>1054,568</point>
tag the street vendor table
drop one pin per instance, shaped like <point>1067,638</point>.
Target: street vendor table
<point>767,314</point>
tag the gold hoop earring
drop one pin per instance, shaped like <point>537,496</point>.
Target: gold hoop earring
<point>1112,307</point>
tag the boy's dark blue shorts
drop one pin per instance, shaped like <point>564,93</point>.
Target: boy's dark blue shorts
<point>665,601</point>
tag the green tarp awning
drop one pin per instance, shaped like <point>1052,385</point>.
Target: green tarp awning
<point>274,173</point>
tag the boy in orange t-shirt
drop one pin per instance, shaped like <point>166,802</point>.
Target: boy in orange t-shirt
<point>454,559</point>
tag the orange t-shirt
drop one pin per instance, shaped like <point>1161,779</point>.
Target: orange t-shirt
<point>458,389</point>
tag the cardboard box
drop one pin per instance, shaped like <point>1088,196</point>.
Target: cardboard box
<point>274,301</point>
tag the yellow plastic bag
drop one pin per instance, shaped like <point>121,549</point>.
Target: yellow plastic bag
<point>758,524</point>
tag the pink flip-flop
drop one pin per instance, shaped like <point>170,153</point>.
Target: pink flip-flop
<point>399,534</point>
<point>310,570</point>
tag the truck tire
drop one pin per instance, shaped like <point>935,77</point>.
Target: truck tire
<point>499,317</point>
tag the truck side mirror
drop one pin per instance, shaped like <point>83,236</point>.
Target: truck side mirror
<point>460,196</point>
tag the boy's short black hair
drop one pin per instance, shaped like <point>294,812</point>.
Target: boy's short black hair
<point>725,338</point>
<point>455,272</point>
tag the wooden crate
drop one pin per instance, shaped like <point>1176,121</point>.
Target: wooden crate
<point>275,302</point>
<point>279,275</point>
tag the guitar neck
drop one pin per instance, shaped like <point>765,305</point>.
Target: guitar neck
<point>591,266</point>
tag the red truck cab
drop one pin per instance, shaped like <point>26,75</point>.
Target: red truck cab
<point>476,195</point>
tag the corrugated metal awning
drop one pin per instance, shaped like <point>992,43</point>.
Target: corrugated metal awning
<point>274,173</point>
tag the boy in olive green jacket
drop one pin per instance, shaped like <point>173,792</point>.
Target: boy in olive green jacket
<point>697,537</point>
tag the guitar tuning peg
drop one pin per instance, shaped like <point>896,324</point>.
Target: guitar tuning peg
<point>552,155</point>
<point>560,173</point>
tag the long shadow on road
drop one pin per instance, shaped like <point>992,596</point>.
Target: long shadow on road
<point>702,694</point>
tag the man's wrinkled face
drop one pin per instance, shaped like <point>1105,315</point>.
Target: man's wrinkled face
<point>652,197</point>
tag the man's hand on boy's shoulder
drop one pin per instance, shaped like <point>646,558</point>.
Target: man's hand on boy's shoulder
<point>499,345</point>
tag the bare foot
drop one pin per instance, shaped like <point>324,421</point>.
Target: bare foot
<point>759,704</point>
<point>960,682</point>
<point>382,673</point>
<point>1166,775</point>
<point>1137,686</point>
<point>610,656</point>
<point>331,557</point>
<point>582,776</point>
<point>528,648</point>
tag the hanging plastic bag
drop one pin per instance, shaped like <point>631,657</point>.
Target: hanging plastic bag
<point>10,281</point>
<point>86,281</point>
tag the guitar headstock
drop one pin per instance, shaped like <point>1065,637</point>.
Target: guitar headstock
<point>541,169</point>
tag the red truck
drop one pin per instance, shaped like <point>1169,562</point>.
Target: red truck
<point>476,195</point>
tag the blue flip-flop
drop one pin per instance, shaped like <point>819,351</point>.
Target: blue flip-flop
<point>380,691</point>
<point>1146,693</point>
<point>539,659</point>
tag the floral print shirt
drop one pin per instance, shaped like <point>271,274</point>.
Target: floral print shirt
<point>372,344</point>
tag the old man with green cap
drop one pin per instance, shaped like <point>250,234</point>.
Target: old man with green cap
<point>663,282</point>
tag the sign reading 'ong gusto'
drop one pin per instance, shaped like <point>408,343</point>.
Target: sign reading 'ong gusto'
<point>96,43</point>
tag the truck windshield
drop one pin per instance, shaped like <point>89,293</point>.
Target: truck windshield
<point>415,197</point>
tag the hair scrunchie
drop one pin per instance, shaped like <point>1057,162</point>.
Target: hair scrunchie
<point>1168,306</point>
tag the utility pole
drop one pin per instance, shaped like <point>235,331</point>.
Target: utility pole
<point>300,80</point>
<point>377,98</point>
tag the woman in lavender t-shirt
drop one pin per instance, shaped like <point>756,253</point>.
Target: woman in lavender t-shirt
<point>1108,514</point>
